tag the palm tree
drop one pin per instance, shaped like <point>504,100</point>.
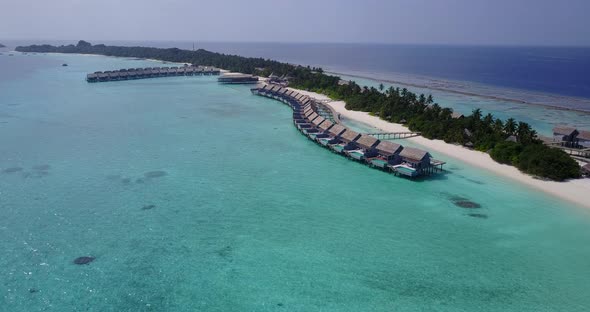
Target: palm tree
<point>476,114</point>
<point>525,133</point>
<point>381,87</point>
<point>510,126</point>
<point>429,100</point>
<point>488,120</point>
<point>498,126</point>
<point>422,99</point>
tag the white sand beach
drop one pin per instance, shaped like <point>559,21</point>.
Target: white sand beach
<point>575,191</point>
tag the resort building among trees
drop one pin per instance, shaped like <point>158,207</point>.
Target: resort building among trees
<point>572,137</point>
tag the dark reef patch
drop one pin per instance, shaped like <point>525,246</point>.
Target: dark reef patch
<point>225,252</point>
<point>155,174</point>
<point>456,198</point>
<point>35,174</point>
<point>41,167</point>
<point>148,207</point>
<point>83,260</point>
<point>33,290</point>
<point>462,202</point>
<point>478,215</point>
<point>12,170</point>
<point>114,177</point>
<point>467,204</point>
<point>125,180</point>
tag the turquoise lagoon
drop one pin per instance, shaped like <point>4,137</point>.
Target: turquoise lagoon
<point>198,197</point>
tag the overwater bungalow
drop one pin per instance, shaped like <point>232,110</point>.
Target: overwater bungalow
<point>92,77</point>
<point>387,154</point>
<point>316,122</point>
<point>326,125</point>
<point>363,147</point>
<point>345,141</point>
<point>305,123</point>
<point>323,128</point>
<point>312,133</point>
<point>414,162</point>
<point>102,76</point>
<point>308,113</point>
<point>312,117</point>
<point>333,133</point>
<point>114,76</point>
<point>237,79</point>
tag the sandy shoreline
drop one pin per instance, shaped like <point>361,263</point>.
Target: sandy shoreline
<point>573,191</point>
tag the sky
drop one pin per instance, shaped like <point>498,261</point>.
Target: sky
<point>472,22</point>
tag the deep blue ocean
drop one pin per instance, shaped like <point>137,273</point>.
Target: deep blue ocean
<point>557,70</point>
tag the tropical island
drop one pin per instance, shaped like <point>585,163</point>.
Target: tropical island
<point>507,141</point>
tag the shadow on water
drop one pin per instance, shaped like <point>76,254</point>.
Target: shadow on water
<point>12,170</point>
<point>37,171</point>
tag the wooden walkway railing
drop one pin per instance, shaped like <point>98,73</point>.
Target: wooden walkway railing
<point>394,135</point>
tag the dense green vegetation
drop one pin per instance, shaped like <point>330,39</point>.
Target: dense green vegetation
<point>509,142</point>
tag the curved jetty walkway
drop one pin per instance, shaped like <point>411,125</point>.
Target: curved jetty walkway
<point>150,72</point>
<point>320,124</point>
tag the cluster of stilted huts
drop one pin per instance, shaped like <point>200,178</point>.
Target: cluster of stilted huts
<point>150,72</point>
<point>318,124</point>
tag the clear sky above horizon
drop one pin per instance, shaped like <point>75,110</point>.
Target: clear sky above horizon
<point>510,22</point>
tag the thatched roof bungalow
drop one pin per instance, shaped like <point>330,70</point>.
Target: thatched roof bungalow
<point>316,122</point>
<point>92,77</point>
<point>363,147</point>
<point>326,125</point>
<point>313,116</point>
<point>350,136</point>
<point>367,142</point>
<point>415,157</point>
<point>388,149</point>
<point>336,130</point>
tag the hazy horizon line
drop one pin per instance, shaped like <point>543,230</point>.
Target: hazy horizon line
<point>98,41</point>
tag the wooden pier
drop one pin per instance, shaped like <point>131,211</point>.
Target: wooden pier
<point>394,135</point>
